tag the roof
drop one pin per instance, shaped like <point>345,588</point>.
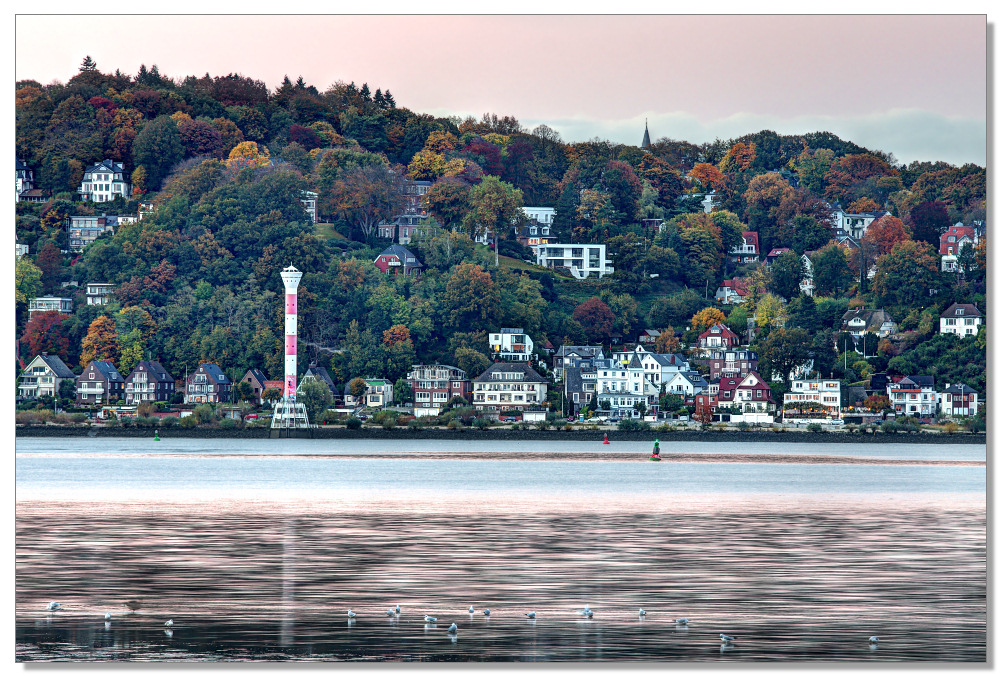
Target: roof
<point>257,374</point>
<point>214,371</point>
<point>320,373</point>
<point>581,350</point>
<point>737,284</point>
<point>105,165</point>
<point>530,374</point>
<point>57,365</point>
<point>718,330</point>
<point>574,379</point>
<point>154,369</point>
<point>968,310</point>
<point>276,384</point>
<point>870,317</point>
<point>752,238</point>
<point>666,359</point>
<point>958,388</point>
<point>645,137</point>
<point>106,369</point>
<point>402,253</point>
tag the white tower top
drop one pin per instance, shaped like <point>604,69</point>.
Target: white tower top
<point>290,276</point>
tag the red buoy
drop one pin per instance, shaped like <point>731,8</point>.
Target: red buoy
<point>606,438</point>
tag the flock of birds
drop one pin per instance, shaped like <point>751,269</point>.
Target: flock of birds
<point>726,639</point>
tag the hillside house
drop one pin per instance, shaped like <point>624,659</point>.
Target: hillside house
<point>581,260</point>
<point>50,304</point>
<point>99,293</point>
<point>913,395</point>
<point>99,384</point>
<point>103,182</point>
<point>42,376</point>
<point>434,385</point>
<point>398,260</point>
<point>818,393</point>
<point>953,240</point>
<point>255,378</point>
<point>508,386</point>
<point>731,362</point>
<point>958,400</point>
<point>511,345</point>
<point>748,250</point>
<point>208,385</point>
<point>962,319</point>
<point>716,337</point>
<point>732,291</point>
<point>148,381</point>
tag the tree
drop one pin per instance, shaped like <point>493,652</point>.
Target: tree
<point>316,396</point>
<point>786,273</point>
<point>88,64</point>
<point>494,206</point>
<point>886,232</point>
<point>809,233</point>
<point>402,392</point>
<point>831,272</point>
<point>50,262</point>
<point>470,297</point>
<point>928,220</point>
<point>158,148</point>
<point>708,175</point>
<point>470,360</point>
<point>357,387</point>
<point>101,342</point>
<point>666,342</point>
<point>367,195</point>
<point>247,155</point>
<point>448,201</point>
<point>877,403</point>
<point>906,275</point>
<point>782,351</point>
<point>27,280</point>
<point>707,318</point>
<point>770,312</point>
<point>44,333</point>
<point>596,318</point>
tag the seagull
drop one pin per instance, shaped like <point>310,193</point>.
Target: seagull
<point>53,605</point>
<point>681,620</point>
<point>726,638</point>
<point>107,616</point>
<point>351,613</point>
<point>873,639</point>
<point>471,610</point>
<point>429,618</point>
<point>642,613</point>
<point>486,612</point>
<point>390,613</point>
<point>133,605</point>
<point>586,611</point>
<point>530,615</point>
<point>453,629</point>
<point>168,623</point>
<point>397,609</point>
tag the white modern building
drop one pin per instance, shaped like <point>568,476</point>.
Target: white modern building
<point>582,260</point>
<point>50,304</point>
<point>541,215</point>
<point>308,200</point>
<point>511,345</point>
<point>99,293</point>
<point>83,230</point>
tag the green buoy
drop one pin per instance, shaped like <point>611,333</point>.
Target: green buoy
<point>156,435</point>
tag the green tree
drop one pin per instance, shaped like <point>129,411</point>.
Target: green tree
<point>494,207</point>
<point>470,297</point>
<point>786,273</point>
<point>316,396</point>
<point>831,272</point>
<point>158,148</point>
<point>782,351</point>
<point>27,280</point>
<point>472,361</point>
<point>906,276</point>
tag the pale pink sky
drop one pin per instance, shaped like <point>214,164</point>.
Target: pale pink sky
<point>911,85</point>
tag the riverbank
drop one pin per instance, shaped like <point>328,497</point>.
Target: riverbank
<point>500,434</point>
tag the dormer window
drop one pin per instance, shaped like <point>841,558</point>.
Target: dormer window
<point>960,311</point>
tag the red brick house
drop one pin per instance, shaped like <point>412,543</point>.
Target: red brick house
<point>433,386</point>
<point>718,336</point>
<point>398,260</point>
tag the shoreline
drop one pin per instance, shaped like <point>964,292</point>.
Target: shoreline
<point>398,434</point>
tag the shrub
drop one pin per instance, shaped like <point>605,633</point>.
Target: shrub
<point>203,414</point>
<point>27,418</point>
<point>743,426</point>
<point>481,423</point>
<point>456,425</point>
<point>79,418</point>
<point>168,422</point>
<point>633,425</point>
<point>188,421</point>
<point>814,427</point>
<point>414,425</point>
<point>353,423</point>
<point>950,427</point>
<point>542,425</point>
<point>228,424</point>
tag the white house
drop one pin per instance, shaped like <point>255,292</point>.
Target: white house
<point>806,286</point>
<point>508,386</point>
<point>308,200</point>
<point>542,215</point>
<point>823,392</point>
<point>582,260</point>
<point>85,229</point>
<point>42,376</point>
<point>913,396</point>
<point>622,386</point>
<point>22,249</point>
<point>685,383</point>
<point>99,293</point>
<point>853,225</point>
<point>103,182</point>
<point>511,345</point>
<point>962,319</point>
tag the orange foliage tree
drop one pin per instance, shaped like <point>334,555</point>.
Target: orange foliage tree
<point>886,232</point>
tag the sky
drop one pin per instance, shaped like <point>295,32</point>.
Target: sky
<point>914,86</point>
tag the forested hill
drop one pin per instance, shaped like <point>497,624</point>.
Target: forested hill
<point>224,161</point>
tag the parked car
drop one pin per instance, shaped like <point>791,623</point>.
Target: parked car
<point>614,419</point>
<point>508,419</point>
<point>251,416</point>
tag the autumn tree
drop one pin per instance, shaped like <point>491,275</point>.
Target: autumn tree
<point>50,262</point>
<point>448,201</point>
<point>101,342</point>
<point>667,342</point>
<point>708,175</point>
<point>596,318</point>
<point>707,318</point>
<point>247,155</point>
<point>44,333</point>
<point>928,220</point>
<point>830,269</point>
<point>906,276</point>
<point>885,233</point>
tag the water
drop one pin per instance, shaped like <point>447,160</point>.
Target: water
<point>258,557</point>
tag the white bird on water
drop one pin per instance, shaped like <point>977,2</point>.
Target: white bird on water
<point>397,609</point>
<point>471,610</point>
<point>681,620</point>
<point>430,618</point>
<point>642,613</point>
<point>530,615</point>
<point>351,613</point>
<point>168,623</point>
<point>53,605</point>
<point>873,639</point>
<point>726,638</point>
<point>586,612</point>
<point>107,616</point>
<point>453,629</point>
<point>390,613</point>
<point>486,612</point>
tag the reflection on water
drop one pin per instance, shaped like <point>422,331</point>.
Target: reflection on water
<point>264,582</point>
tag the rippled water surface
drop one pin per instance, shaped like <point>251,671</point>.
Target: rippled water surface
<point>260,557</point>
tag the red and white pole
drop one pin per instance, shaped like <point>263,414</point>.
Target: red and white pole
<point>290,276</point>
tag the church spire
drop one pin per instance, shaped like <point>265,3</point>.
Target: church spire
<point>645,137</point>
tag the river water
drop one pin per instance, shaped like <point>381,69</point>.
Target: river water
<point>256,549</point>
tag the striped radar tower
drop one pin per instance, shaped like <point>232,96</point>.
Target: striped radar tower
<point>289,413</point>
